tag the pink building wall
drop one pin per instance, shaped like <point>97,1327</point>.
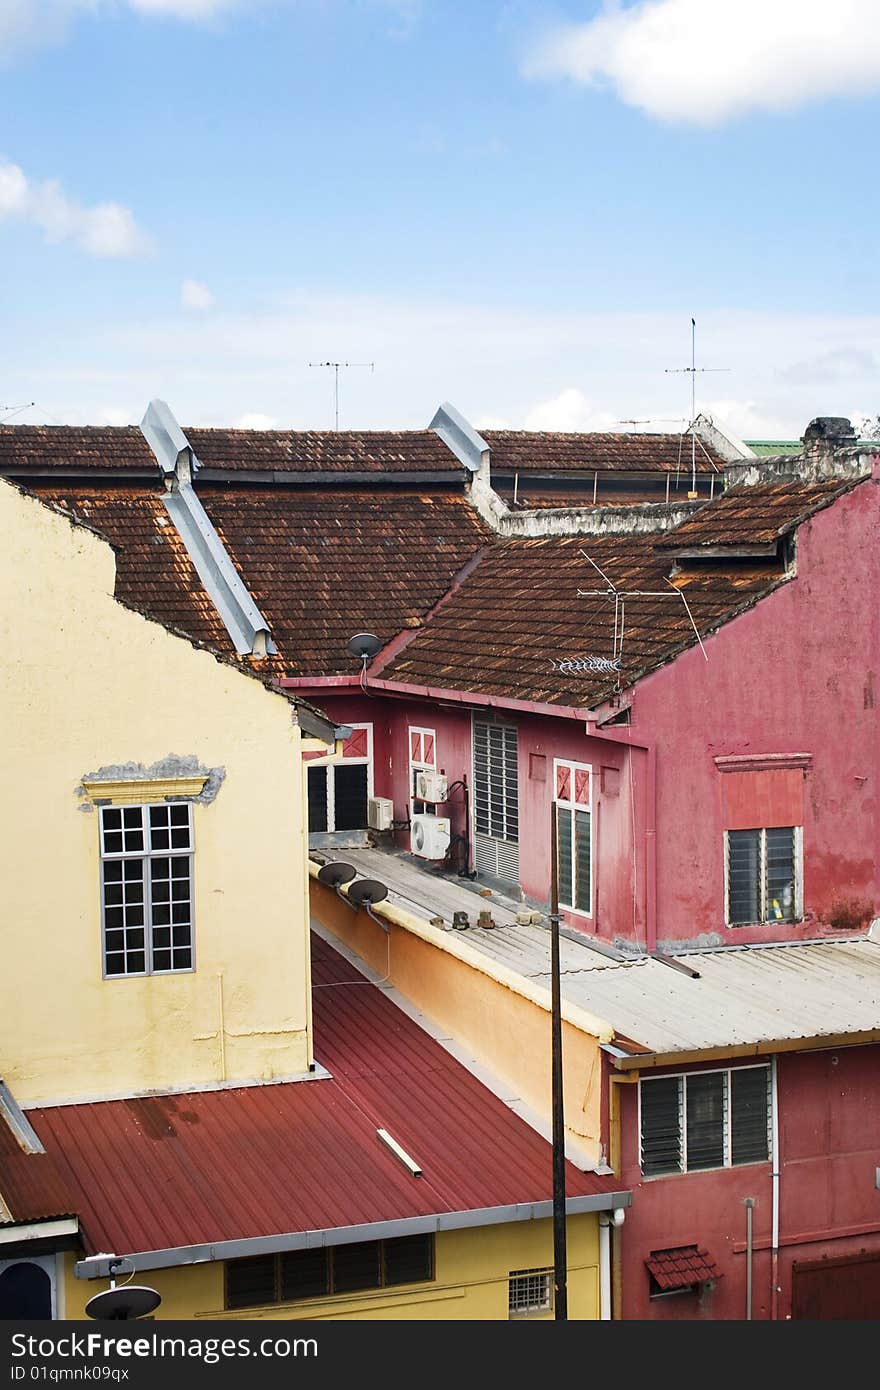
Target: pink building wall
<point>829,1205</point>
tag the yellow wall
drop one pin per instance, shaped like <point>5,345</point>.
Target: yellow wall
<point>85,683</point>
<point>471,1268</point>
<point>505,1031</point>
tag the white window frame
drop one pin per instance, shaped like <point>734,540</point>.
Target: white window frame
<point>145,857</point>
<point>573,806</point>
<point>727,1128</point>
<point>526,1277</point>
<point>764,921</point>
<point>416,766</point>
<point>331,762</point>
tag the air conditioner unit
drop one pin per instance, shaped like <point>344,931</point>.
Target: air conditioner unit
<point>429,836</point>
<point>380,812</point>
<point>430,785</point>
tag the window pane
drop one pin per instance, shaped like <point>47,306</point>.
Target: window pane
<point>317,799</point>
<point>582,860</point>
<point>750,1114</point>
<point>350,797</point>
<point>305,1274</point>
<point>780,876</point>
<point>356,1266</point>
<point>743,875</point>
<point>409,1259</point>
<point>250,1282</point>
<point>705,1120</point>
<point>563,848</point>
<point>661,1126</point>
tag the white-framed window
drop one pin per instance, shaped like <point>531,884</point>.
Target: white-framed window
<point>704,1119</point>
<point>763,875</point>
<point>422,758</point>
<point>147,888</point>
<point>339,790</point>
<point>574,835</point>
<point>530,1292</point>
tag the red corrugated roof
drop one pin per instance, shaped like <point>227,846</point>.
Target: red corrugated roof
<point>31,1186</point>
<point>168,1171</point>
<point>682,1266</point>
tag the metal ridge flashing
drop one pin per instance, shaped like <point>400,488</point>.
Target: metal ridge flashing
<point>98,1266</point>
<point>223,584</point>
<point>460,438</point>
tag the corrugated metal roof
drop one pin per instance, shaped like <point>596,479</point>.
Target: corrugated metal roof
<point>744,995</point>
<point>31,1186</point>
<point>162,1172</point>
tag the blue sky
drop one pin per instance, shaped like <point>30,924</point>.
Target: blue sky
<point>516,206</point>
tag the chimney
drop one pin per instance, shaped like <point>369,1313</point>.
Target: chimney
<point>826,434</point>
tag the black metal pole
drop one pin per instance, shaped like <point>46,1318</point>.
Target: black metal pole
<point>560,1273</point>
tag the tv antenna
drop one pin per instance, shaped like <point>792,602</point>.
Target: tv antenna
<point>337,367</point>
<point>11,410</point>
<point>621,598</point>
<point>692,371</point>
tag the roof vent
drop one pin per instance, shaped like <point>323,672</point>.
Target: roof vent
<point>173,451</point>
<point>460,437</point>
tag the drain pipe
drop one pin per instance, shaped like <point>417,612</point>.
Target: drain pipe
<point>775,1166</point>
<point>607,1219</point>
<point>749,1206</point>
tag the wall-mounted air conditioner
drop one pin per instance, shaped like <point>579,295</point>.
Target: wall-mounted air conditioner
<point>430,785</point>
<point>380,812</point>
<point>429,836</point>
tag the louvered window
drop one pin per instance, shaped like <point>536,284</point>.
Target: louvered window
<point>496,800</point>
<point>327,1270</point>
<point>763,875</point>
<point>715,1119</point>
<point>573,836</point>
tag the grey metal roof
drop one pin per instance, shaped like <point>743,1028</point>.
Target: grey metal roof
<point>743,996</point>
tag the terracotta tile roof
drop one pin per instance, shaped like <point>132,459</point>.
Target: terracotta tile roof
<point>163,1172</point>
<point>518,451</point>
<point>320,565</point>
<point>756,515</point>
<point>682,1266</point>
<point>42,448</point>
<point>32,1187</point>
<point>325,451</point>
<point>530,588</point>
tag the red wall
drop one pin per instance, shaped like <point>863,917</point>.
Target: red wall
<point>829,1133</point>
<point>795,674</point>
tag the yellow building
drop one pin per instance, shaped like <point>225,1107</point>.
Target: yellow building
<point>164,1096</point>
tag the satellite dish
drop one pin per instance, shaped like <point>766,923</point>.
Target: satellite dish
<point>127,1301</point>
<point>336,874</point>
<point>366,892</point>
<point>364,645</point>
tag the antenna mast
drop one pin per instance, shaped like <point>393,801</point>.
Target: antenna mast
<point>336,366</point>
<point>692,372</point>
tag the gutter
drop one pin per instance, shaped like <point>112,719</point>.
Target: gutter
<point>432,692</point>
<point>99,1266</point>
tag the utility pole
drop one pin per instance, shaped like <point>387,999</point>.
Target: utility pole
<point>560,1271</point>
<point>336,367</point>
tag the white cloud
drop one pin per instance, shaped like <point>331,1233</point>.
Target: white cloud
<point>253,420</point>
<point>184,9</point>
<point>107,230</point>
<point>194,294</point>
<point>707,61</point>
<point>569,410</point>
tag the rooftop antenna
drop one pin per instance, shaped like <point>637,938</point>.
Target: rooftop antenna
<point>620,598</point>
<point>692,372</point>
<point>123,1301</point>
<point>365,646</point>
<point>336,369</point>
<point>11,410</point>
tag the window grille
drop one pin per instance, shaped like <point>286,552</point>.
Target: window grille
<point>530,1291</point>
